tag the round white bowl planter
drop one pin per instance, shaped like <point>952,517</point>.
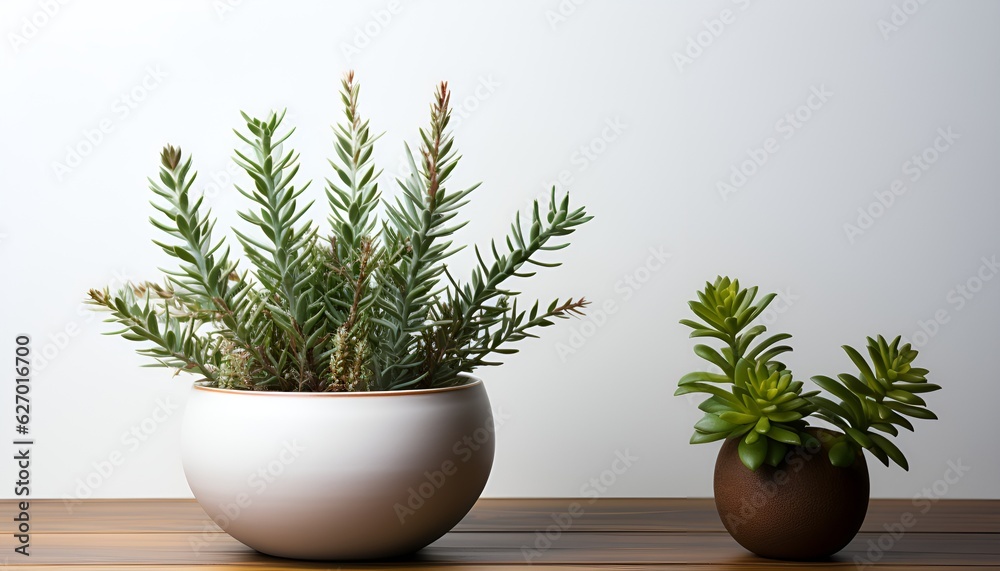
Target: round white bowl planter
<point>338,475</point>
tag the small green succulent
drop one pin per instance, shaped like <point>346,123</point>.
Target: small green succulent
<point>756,399</point>
<point>879,398</point>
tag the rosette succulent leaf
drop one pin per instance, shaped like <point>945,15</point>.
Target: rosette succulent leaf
<point>765,409</point>
<point>875,402</point>
<point>726,310</point>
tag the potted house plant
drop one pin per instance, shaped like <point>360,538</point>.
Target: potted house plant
<point>784,488</point>
<point>336,417</point>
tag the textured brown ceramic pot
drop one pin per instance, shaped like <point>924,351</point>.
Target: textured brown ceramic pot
<point>804,509</point>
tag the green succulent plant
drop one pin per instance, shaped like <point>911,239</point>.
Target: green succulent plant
<point>366,304</point>
<point>876,401</point>
<point>756,399</point>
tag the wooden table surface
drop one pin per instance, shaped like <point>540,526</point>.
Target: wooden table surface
<point>501,534</point>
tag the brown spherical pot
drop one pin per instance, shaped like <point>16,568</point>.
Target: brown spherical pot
<point>804,509</point>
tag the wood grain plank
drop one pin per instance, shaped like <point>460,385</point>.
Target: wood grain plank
<point>376,567</point>
<point>698,514</point>
<point>112,516</point>
<point>622,533</point>
<point>370,567</point>
<point>508,548</point>
<point>604,515</point>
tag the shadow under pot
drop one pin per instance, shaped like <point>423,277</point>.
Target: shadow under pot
<point>803,509</point>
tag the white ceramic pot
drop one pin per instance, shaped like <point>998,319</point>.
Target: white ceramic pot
<point>338,475</point>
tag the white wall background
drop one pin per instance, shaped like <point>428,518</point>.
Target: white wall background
<point>536,85</point>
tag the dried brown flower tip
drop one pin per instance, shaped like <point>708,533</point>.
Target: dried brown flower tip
<point>444,97</point>
<point>572,307</point>
<point>98,296</point>
<point>170,157</point>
